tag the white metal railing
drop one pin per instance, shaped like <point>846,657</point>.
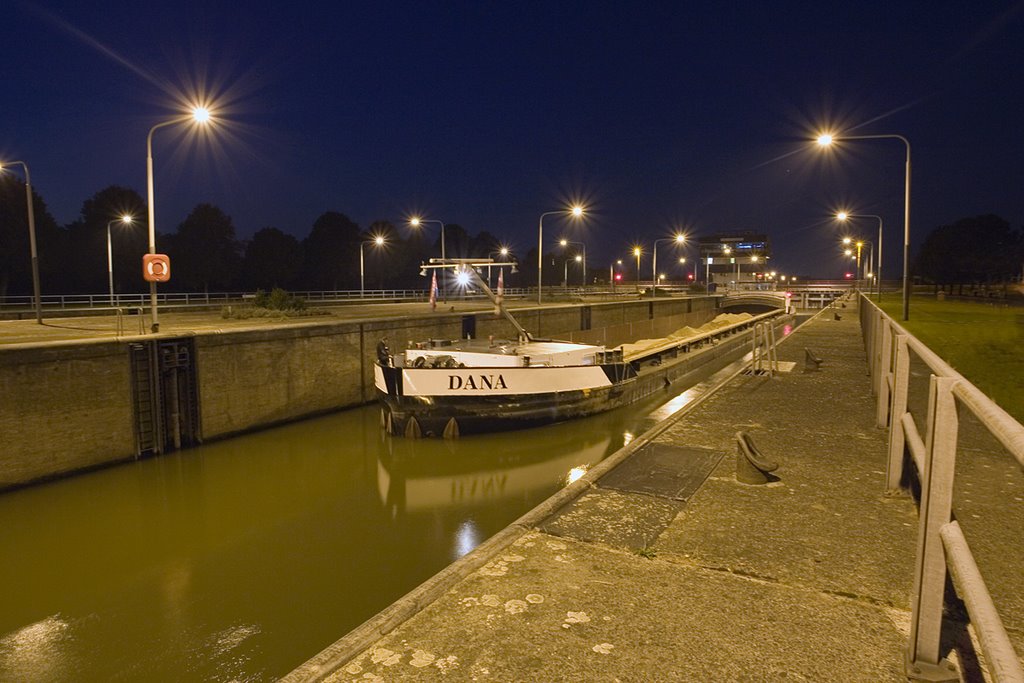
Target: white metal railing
<point>941,543</point>
<point>65,301</point>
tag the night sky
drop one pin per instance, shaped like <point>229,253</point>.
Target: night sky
<point>486,114</point>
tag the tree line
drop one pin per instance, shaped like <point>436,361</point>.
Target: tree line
<point>981,249</point>
<point>206,253</point>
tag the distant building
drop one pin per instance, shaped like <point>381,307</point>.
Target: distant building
<point>738,257</point>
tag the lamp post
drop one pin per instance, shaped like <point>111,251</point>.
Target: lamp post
<point>726,251</point>
<point>637,251</point>
<point>503,252</point>
<point>378,241</point>
<point>565,243</point>
<point>876,265</point>
<point>678,239</point>
<point>127,220</point>
<point>31,238</point>
<point>611,273</point>
<point>199,115</point>
<point>416,222</point>
<point>826,140</point>
<point>576,212</point>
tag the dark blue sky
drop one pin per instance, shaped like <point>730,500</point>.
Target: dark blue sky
<point>487,114</point>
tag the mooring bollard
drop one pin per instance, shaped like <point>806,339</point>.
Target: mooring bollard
<point>751,465</point>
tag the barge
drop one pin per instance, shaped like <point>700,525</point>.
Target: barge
<point>453,387</point>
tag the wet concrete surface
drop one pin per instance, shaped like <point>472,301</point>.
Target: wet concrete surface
<point>806,578</point>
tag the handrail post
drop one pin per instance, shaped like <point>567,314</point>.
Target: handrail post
<point>923,655</point>
<point>884,372</point>
<point>897,439</point>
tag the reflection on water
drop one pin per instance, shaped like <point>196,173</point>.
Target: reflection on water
<point>238,560</point>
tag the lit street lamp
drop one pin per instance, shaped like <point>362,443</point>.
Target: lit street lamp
<point>678,239</point>
<point>31,237</point>
<point>611,273</point>
<point>577,212</point>
<point>503,252</point>
<point>565,275</point>
<point>378,241</point>
<point>876,265</point>
<point>127,220</point>
<point>826,140</point>
<point>637,251</point>
<point>416,222</point>
<point>727,251</point>
<point>199,115</point>
<point>565,243</point>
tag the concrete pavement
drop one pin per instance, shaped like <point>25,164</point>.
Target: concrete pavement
<point>645,570</point>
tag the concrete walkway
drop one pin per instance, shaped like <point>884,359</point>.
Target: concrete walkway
<point>654,573</point>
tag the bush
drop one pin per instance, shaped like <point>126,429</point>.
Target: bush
<point>277,303</point>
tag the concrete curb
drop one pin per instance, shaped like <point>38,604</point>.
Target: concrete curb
<point>338,654</point>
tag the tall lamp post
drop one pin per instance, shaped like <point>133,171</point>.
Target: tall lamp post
<point>576,212</point>
<point>637,251</point>
<point>611,273</point>
<point>416,222</point>
<point>503,252</point>
<point>199,115</point>
<point>31,237</point>
<point>565,243</point>
<point>877,265</point>
<point>126,220</point>
<point>678,239</point>
<point>378,241</point>
<point>727,251</point>
<point>826,140</point>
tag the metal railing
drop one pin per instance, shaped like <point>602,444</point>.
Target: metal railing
<point>932,449</point>
<point>79,301</point>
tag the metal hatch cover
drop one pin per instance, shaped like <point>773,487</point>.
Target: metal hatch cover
<point>666,470</point>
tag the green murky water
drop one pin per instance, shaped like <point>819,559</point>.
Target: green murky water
<point>238,560</point>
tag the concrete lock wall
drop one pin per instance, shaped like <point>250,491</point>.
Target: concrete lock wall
<point>69,407</point>
<point>63,407</point>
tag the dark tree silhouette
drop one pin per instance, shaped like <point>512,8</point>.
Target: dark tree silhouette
<point>87,241</point>
<point>15,254</point>
<point>272,259</point>
<point>977,249</point>
<point>204,253</point>
<point>332,253</point>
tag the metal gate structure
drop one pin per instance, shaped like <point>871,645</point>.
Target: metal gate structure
<point>165,395</point>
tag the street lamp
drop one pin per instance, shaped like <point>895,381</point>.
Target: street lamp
<point>503,252</point>
<point>575,212</point>
<point>637,251</point>
<point>200,115</point>
<point>378,241</point>
<point>416,222</point>
<point>678,239</point>
<point>876,265</point>
<point>565,243</point>
<point>31,237</point>
<point>825,140</point>
<point>727,251</point>
<point>126,220</point>
<point>611,273</point>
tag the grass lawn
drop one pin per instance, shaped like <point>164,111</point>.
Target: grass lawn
<point>984,342</point>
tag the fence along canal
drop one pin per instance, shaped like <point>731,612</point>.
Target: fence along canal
<point>955,441</point>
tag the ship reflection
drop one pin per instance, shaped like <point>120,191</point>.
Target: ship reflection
<point>428,474</point>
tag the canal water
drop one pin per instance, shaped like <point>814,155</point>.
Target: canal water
<point>240,559</point>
